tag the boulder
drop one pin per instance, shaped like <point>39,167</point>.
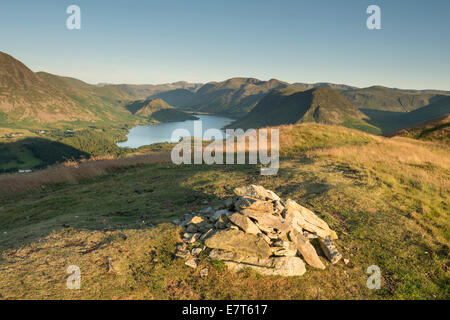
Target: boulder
<point>307,220</point>
<point>256,192</point>
<point>244,223</point>
<point>330,251</point>
<point>196,251</point>
<point>296,219</point>
<point>265,238</point>
<point>240,242</point>
<point>254,204</point>
<point>282,266</point>
<point>268,222</point>
<point>197,223</point>
<point>191,262</point>
<point>306,250</point>
<point>290,251</point>
<point>207,234</point>
<point>223,255</point>
<point>182,254</point>
<point>194,238</point>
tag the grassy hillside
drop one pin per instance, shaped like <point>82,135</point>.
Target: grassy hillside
<point>24,96</point>
<point>58,146</point>
<point>387,199</point>
<point>176,98</point>
<point>289,105</point>
<point>389,99</point>
<point>42,100</point>
<point>433,130</point>
<point>390,121</point>
<point>158,110</point>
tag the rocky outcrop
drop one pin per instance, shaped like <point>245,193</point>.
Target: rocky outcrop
<point>258,230</point>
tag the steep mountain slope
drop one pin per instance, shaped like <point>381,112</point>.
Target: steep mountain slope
<point>233,97</point>
<point>147,90</point>
<point>159,110</point>
<point>432,130</point>
<point>105,102</point>
<point>389,99</point>
<point>176,98</point>
<point>26,96</point>
<point>289,106</point>
<point>390,121</point>
<point>36,99</point>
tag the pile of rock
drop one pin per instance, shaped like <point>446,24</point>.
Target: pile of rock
<point>258,230</point>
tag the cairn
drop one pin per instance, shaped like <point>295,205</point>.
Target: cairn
<point>258,230</point>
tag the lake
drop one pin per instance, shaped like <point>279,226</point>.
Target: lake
<point>162,132</point>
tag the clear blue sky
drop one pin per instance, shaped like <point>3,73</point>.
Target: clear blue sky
<point>159,41</point>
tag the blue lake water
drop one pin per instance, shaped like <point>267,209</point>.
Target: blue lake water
<point>162,132</point>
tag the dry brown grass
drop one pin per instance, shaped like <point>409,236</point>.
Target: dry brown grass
<point>397,150</point>
<point>73,171</point>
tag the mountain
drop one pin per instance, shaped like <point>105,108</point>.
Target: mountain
<point>159,110</point>
<point>145,91</point>
<point>176,97</point>
<point>307,86</point>
<point>35,99</point>
<point>390,121</point>
<point>233,97</point>
<point>390,99</point>
<point>105,102</point>
<point>291,105</point>
<point>26,96</point>
<point>432,130</point>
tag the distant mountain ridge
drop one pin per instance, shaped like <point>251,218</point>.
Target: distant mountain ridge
<point>389,121</point>
<point>233,97</point>
<point>307,86</point>
<point>145,91</point>
<point>389,99</point>
<point>34,99</point>
<point>291,105</point>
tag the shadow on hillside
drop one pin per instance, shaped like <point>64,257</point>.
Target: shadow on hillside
<point>385,120</point>
<point>135,106</point>
<point>36,153</point>
<point>144,196</point>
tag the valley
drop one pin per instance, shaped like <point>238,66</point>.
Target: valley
<point>69,113</point>
<point>103,193</point>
